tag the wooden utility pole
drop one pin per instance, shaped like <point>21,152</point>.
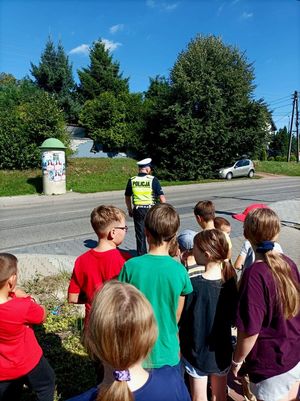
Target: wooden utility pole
<point>295,111</point>
<point>297,129</point>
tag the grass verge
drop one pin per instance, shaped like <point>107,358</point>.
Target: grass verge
<point>281,168</point>
<point>60,336</point>
<point>98,175</point>
<point>83,175</point>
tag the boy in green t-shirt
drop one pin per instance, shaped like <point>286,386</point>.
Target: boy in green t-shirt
<point>162,280</point>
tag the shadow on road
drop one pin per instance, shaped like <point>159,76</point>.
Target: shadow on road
<point>90,243</point>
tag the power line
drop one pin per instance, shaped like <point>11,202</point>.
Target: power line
<point>279,100</point>
<point>279,119</point>
<point>279,107</point>
<point>278,103</point>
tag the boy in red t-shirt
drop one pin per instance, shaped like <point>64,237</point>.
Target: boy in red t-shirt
<point>21,357</point>
<point>96,266</point>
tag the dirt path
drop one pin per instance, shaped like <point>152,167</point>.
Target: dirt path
<point>269,175</point>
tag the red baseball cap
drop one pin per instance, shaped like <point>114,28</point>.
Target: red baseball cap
<point>242,216</point>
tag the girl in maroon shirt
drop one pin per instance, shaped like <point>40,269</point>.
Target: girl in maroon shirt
<point>268,318</point>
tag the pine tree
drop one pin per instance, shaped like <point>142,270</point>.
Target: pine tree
<point>54,75</point>
<point>64,70</point>
<point>54,72</point>
<point>102,75</point>
<point>44,74</point>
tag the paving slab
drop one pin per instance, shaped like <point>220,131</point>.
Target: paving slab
<point>43,262</point>
<point>33,265</point>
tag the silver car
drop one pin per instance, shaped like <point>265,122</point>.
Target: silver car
<point>241,168</point>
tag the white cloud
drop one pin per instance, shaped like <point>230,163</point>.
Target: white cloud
<point>234,2</point>
<point>162,5</point>
<point>82,49</point>
<point>85,49</point>
<point>220,9</point>
<point>110,45</point>
<point>246,15</point>
<point>151,3</point>
<point>169,6</point>
<point>116,28</point>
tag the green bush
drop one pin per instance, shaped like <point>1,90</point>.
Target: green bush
<point>113,121</point>
<point>28,116</point>
<point>293,158</point>
<point>263,154</point>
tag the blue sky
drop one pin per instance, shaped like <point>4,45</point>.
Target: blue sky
<point>146,36</point>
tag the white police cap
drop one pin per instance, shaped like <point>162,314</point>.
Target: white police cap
<point>145,162</point>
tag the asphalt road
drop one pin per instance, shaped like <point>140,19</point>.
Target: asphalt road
<point>60,224</point>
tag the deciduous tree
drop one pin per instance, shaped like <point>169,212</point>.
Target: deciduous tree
<point>207,115</point>
<point>28,115</point>
<point>113,121</point>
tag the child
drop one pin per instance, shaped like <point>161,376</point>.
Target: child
<point>21,357</point>
<point>204,212</point>
<point>186,243</point>
<point>209,313</point>
<point>102,263</point>
<point>162,280</point>
<point>268,318</point>
<point>222,224</point>
<point>174,248</point>
<point>121,333</point>
<point>246,256</point>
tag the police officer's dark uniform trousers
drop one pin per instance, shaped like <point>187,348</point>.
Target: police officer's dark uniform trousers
<point>145,190</point>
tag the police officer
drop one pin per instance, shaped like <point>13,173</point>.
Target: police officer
<point>142,192</point>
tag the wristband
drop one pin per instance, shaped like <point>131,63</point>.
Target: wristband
<point>236,364</point>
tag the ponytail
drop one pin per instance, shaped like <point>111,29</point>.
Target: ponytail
<point>117,391</point>
<point>228,271</point>
<point>261,228</point>
<point>286,286</point>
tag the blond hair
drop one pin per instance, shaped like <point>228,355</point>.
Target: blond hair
<point>122,331</point>
<point>174,247</point>
<point>103,216</point>
<point>8,267</point>
<point>264,225</point>
<point>215,242</point>
<point>162,222</point>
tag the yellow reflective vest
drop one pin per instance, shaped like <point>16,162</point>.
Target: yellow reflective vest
<point>142,193</point>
